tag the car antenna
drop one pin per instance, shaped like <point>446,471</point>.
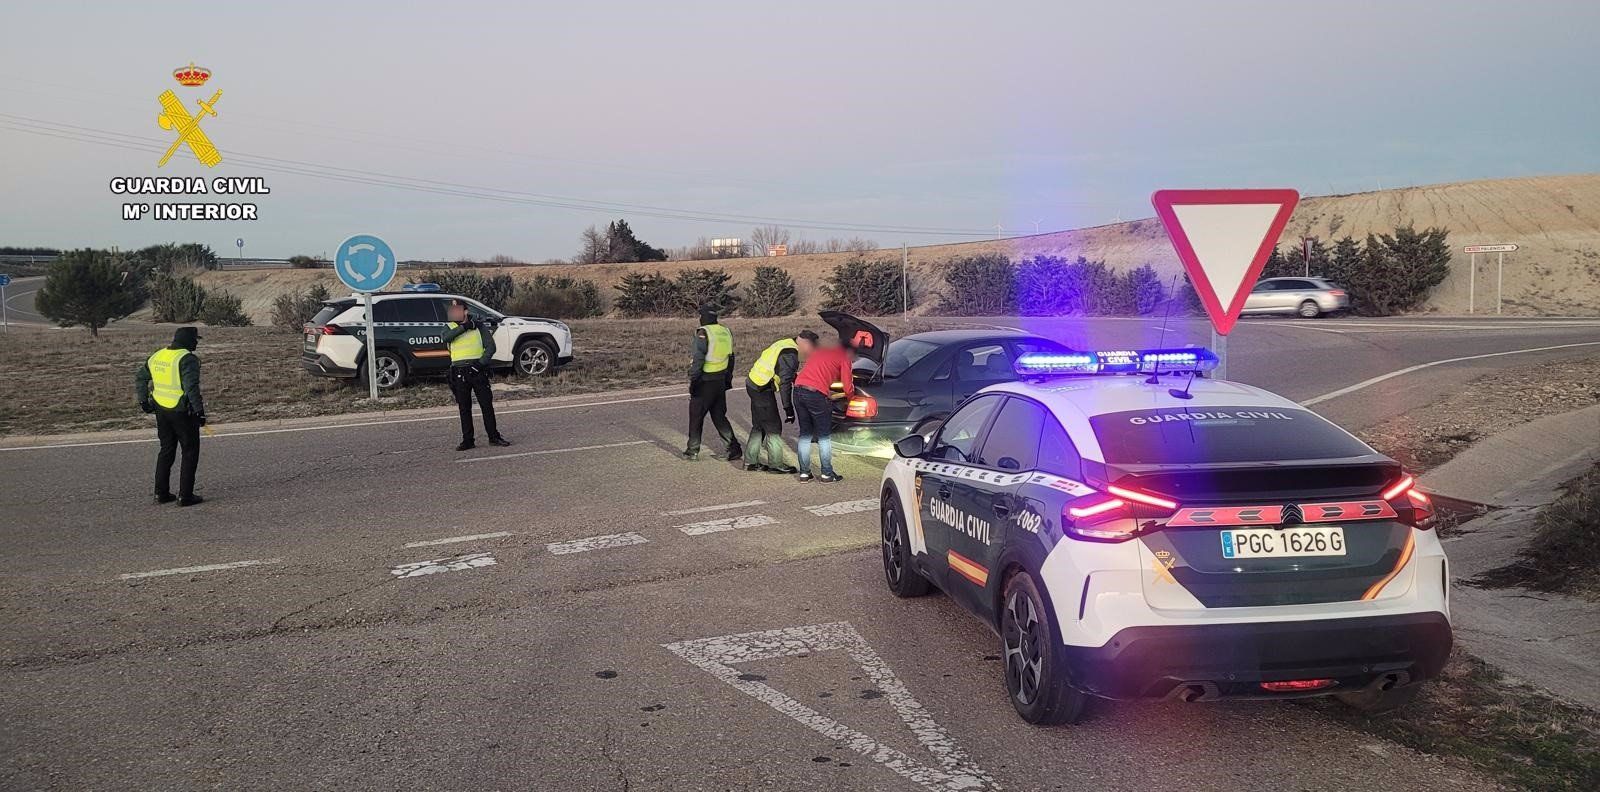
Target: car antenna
<point>1155,374</point>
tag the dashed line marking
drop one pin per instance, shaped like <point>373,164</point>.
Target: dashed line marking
<point>726,524</point>
<point>719,507</point>
<point>548,451</point>
<point>595,543</point>
<point>455,539</point>
<point>448,564</point>
<point>843,507</point>
<point>202,568</point>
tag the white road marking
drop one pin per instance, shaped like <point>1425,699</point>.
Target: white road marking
<point>955,771</point>
<point>554,451</point>
<point>201,568</point>
<point>450,564</point>
<point>719,507</point>
<point>1420,366</point>
<point>455,539</point>
<point>843,507</point>
<point>726,524</point>
<point>595,543</point>
<point>355,425</point>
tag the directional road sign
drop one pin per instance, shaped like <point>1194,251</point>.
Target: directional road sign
<point>1488,248</point>
<point>1223,238</point>
<point>364,263</point>
<point>5,280</point>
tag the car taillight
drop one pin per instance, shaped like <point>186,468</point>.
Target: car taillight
<point>1336,292</point>
<point>332,330</point>
<point>1297,685</point>
<point>861,405</point>
<point>1142,497</point>
<point>1116,515</point>
<point>1412,504</point>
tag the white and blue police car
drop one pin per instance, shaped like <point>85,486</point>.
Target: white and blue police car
<point>1134,529</point>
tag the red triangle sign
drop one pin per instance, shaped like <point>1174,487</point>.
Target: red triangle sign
<point>1223,238</point>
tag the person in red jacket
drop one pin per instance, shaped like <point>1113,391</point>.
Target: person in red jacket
<point>825,378</point>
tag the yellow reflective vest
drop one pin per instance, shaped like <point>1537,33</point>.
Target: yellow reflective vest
<point>166,384</point>
<point>766,366</point>
<point>466,347</point>
<point>719,347</point>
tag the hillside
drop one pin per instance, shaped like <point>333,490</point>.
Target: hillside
<point>1554,219</point>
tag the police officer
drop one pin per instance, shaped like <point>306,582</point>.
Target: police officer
<point>710,377</point>
<point>770,384</point>
<point>471,343</point>
<point>168,385</point>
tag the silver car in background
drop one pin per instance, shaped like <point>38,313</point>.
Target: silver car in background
<point>1305,297</point>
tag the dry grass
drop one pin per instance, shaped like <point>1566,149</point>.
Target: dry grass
<point>1566,538</point>
<point>59,381</point>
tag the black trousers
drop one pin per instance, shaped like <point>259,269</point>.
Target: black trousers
<point>176,428</point>
<point>465,382</point>
<point>709,396</point>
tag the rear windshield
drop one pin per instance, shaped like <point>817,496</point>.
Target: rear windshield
<point>329,310</point>
<point>903,354</point>
<point>1220,434</point>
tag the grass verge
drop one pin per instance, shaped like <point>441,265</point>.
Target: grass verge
<point>1524,737</point>
<point>1566,539</point>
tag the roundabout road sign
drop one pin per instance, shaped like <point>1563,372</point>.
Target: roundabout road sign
<point>364,263</point>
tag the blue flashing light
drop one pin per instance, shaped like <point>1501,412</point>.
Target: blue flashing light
<point>421,287</point>
<point>1190,360</point>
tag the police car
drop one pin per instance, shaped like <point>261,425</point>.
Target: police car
<point>1133,529</point>
<point>410,329</point>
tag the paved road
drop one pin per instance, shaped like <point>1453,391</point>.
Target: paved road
<point>19,301</point>
<point>590,631</point>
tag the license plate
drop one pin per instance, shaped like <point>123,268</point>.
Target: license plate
<point>1322,540</point>
<point>311,341</point>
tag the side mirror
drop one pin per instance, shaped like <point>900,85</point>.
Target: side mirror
<point>911,446</point>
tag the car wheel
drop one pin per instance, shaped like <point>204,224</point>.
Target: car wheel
<point>391,371</point>
<point>1036,668</point>
<point>903,579</point>
<point>1309,310</point>
<point>1378,701</point>
<point>534,359</point>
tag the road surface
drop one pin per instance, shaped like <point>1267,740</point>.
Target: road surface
<point>360,607</point>
<point>19,301</point>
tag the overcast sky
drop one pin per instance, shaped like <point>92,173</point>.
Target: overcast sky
<point>948,116</point>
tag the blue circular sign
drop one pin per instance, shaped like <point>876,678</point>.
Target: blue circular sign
<point>364,263</point>
<point>5,280</point>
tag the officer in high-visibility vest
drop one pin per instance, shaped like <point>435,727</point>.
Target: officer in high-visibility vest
<point>471,343</point>
<point>710,377</point>
<point>769,385</point>
<point>168,386</point>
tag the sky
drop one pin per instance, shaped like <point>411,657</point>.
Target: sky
<point>513,126</point>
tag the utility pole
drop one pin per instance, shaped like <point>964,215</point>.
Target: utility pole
<point>905,283</point>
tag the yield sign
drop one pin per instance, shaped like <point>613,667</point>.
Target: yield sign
<point>1223,238</point>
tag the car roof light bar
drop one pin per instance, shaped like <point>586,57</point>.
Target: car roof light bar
<point>1126,361</point>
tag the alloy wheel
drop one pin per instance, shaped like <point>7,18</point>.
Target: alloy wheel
<point>1020,632</point>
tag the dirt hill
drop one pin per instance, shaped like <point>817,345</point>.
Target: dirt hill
<point>1554,219</point>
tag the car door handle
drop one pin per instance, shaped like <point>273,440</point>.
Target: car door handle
<point>1002,509</point>
<point>944,491</point>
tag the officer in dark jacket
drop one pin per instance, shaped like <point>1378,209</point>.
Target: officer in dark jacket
<point>710,377</point>
<point>168,385</point>
<point>770,384</point>
<point>471,343</point>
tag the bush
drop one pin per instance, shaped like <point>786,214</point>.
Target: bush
<point>292,310</point>
<point>221,309</point>
<point>303,262</point>
<point>648,295</point>
<point>770,293</point>
<point>984,285</point>
<point>494,291</point>
<point>170,258</point>
<point>871,288</point>
<point>176,298</point>
<point>1144,292</point>
<point>91,288</point>
<point>710,286</point>
<point>556,298</point>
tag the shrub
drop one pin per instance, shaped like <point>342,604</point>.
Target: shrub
<point>494,291</point>
<point>984,285</point>
<point>871,288</point>
<point>303,262</point>
<point>770,293</point>
<point>291,310</point>
<point>556,298</point>
<point>170,257</point>
<point>648,295</point>
<point>1144,292</point>
<point>221,309</point>
<point>710,286</point>
<point>176,298</point>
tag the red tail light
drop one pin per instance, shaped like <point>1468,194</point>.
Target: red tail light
<point>861,406</point>
<point>1142,497</point>
<point>1398,488</point>
<point>332,330</point>
<point>1336,292</point>
<point>1297,685</point>
<point>1100,518</point>
<point>1413,506</point>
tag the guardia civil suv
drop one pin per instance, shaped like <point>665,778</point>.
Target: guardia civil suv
<point>1132,529</point>
<point>410,343</point>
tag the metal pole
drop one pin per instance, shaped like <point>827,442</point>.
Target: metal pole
<point>5,321</point>
<point>1472,282</point>
<point>905,285</point>
<point>372,364</point>
<point>1499,281</point>
<point>1219,345</point>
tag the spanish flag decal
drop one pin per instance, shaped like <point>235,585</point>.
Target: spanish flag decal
<point>967,568</point>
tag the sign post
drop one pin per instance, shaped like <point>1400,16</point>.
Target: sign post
<point>366,264</point>
<point>1499,276</point>
<point>1223,238</point>
<point>5,320</point>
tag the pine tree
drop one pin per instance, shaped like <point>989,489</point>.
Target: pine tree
<point>91,288</point>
